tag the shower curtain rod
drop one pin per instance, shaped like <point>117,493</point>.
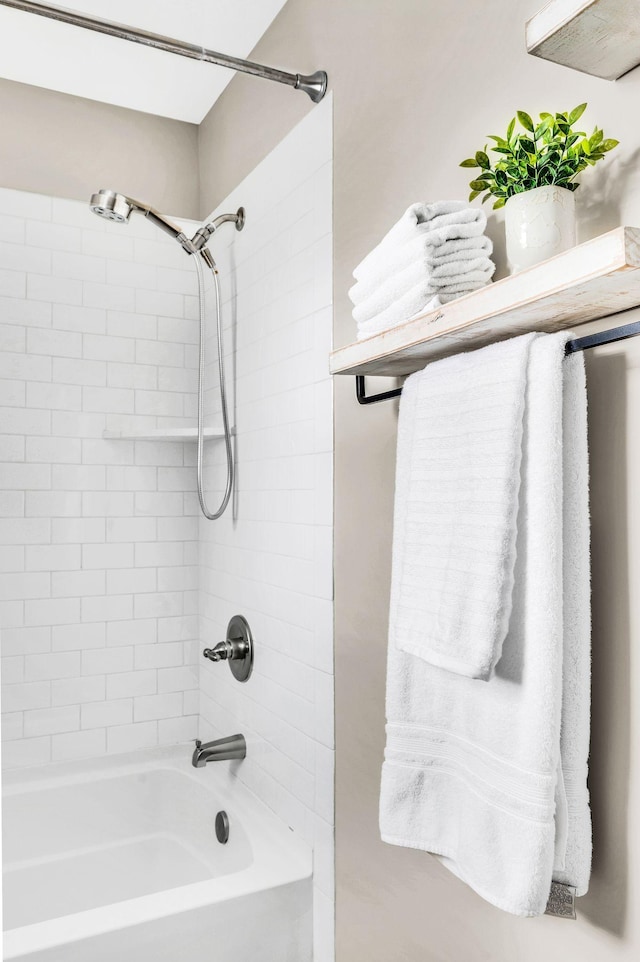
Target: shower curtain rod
<point>578,344</point>
<point>314,85</point>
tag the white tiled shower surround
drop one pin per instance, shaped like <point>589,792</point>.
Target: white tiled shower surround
<point>105,561</point>
<point>98,582</point>
<point>271,560</point>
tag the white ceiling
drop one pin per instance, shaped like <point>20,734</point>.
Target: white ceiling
<point>45,53</point>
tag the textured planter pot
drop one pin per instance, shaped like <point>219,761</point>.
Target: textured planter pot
<point>539,223</point>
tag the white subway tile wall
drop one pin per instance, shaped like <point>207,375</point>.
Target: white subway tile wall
<point>98,552</point>
<point>108,573</point>
<point>271,558</point>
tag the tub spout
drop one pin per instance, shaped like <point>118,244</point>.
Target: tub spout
<point>219,751</point>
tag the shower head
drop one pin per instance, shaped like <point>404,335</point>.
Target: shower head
<point>118,207</point>
<point>113,206</point>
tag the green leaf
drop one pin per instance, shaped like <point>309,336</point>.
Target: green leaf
<point>577,113</point>
<point>551,152</point>
<point>525,120</point>
<point>499,203</point>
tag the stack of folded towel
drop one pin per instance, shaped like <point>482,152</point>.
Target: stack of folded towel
<point>433,254</point>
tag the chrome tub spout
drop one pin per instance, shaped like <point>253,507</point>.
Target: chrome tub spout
<point>234,746</point>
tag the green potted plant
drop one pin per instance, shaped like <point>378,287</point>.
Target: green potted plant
<point>534,178</point>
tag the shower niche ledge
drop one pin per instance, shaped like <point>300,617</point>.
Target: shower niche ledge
<point>164,434</point>
<point>588,282</point>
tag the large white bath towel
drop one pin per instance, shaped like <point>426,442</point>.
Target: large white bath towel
<point>490,774</point>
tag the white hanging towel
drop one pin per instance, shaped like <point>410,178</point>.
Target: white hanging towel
<point>488,665</point>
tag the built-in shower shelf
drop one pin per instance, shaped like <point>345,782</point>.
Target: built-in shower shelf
<point>590,281</point>
<point>164,434</point>
<point>598,37</point>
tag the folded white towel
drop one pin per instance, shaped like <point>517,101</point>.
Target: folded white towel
<point>433,224</point>
<point>418,300</point>
<point>474,769</point>
<point>381,323</point>
<point>404,271</point>
<point>415,279</point>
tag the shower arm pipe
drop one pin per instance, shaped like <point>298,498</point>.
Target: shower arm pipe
<point>162,222</point>
<point>314,85</point>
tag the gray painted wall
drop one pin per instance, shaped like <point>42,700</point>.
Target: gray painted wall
<point>418,85</point>
<point>52,143</point>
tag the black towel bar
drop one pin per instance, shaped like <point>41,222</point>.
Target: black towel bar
<point>579,344</point>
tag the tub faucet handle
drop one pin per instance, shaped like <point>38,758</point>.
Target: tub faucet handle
<point>213,654</point>
<point>226,650</point>
<point>237,649</point>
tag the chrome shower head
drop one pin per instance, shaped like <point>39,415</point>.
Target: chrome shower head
<point>113,206</point>
<point>118,207</point>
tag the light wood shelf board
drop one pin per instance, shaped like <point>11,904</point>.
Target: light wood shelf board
<point>597,37</point>
<point>590,281</point>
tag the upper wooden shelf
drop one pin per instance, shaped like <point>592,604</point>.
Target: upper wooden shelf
<point>583,284</point>
<point>598,37</point>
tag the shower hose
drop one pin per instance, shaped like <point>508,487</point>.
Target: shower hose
<point>212,515</point>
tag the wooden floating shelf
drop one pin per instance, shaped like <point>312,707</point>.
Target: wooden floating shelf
<point>590,281</point>
<point>598,37</point>
<point>163,434</point>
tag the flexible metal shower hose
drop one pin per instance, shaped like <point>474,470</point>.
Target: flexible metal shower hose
<point>212,516</point>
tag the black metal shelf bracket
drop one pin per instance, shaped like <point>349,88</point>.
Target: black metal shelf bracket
<point>363,398</point>
<point>578,344</point>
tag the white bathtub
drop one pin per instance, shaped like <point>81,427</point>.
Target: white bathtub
<point>116,860</point>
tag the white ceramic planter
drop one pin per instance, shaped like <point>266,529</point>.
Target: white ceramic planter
<point>539,223</point>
